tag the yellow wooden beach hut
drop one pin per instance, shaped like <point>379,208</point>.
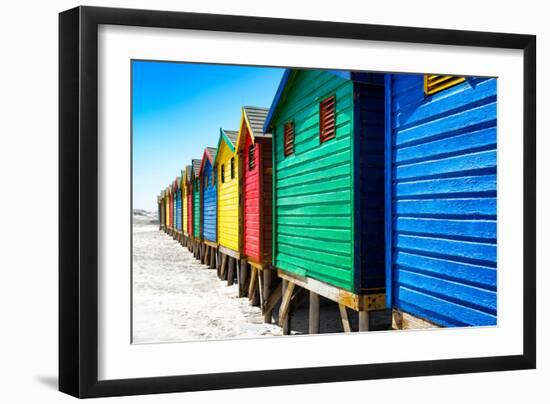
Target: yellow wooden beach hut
<point>167,206</point>
<point>226,163</point>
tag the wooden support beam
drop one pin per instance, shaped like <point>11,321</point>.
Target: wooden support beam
<point>243,273</point>
<point>363,320</point>
<point>345,319</point>
<point>351,300</point>
<point>212,263</point>
<point>288,289</point>
<point>252,285</point>
<point>223,267</point>
<point>273,298</point>
<point>260,288</point>
<point>238,270</point>
<point>229,252</point>
<point>231,271</point>
<point>203,258</point>
<point>314,320</point>
<point>267,292</point>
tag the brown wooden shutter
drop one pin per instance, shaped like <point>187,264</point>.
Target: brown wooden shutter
<point>251,158</point>
<point>434,83</point>
<point>327,119</point>
<point>223,173</point>
<point>289,138</point>
<point>232,167</point>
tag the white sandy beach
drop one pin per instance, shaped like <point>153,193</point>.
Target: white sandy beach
<point>175,298</point>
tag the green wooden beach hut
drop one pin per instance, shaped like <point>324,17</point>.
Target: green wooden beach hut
<point>328,185</point>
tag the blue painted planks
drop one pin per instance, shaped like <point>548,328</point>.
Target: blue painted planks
<point>449,228</point>
<point>457,186</point>
<point>462,207</point>
<point>460,122</point>
<point>441,311</point>
<point>443,185</point>
<point>466,273</point>
<point>209,200</point>
<point>476,140</point>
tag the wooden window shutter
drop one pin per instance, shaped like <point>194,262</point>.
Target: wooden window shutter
<point>434,83</point>
<point>223,173</point>
<point>327,119</point>
<point>232,167</point>
<point>289,138</point>
<point>251,158</point>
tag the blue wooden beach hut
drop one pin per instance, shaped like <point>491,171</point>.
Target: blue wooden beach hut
<point>209,196</point>
<point>441,198</point>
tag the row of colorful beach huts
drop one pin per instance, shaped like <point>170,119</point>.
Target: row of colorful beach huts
<point>376,191</point>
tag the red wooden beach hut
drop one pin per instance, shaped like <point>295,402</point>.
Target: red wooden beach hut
<point>254,148</point>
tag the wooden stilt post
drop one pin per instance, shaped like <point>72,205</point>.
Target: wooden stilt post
<point>284,315</point>
<point>212,263</point>
<point>397,319</point>
<point>363,320</point>
<point>259,298</point>
<point>345,319</point>
<point>314,321</point>
<point>252,285</point>
<point>242,277</point>
<point>238,273</point>
<point>267,293</point>
<point>223,267</point>
<point>231,271</point>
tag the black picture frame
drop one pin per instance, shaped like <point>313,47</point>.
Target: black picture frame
<point>78,200</point>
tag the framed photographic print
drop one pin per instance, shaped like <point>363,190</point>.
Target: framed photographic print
<point>251,201</point>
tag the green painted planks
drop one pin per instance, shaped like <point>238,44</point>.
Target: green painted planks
<point>313,188</point>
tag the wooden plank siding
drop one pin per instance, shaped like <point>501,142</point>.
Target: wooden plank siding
<point>313,188</point>
<point>444,189</point>
<point>178,204</point>
<point>254,147</point>
<point>190,209</point>
<point>167,208</point>
<point>174,206</point>
<point>196,199</point>
<point>209,200</point>
<point>184,200</point>
<point>267,187</point>
<point>170,209</point>
<point>252,197</point>
<point>228,196</point>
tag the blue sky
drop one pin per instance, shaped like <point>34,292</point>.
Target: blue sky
<point>178,109</point>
